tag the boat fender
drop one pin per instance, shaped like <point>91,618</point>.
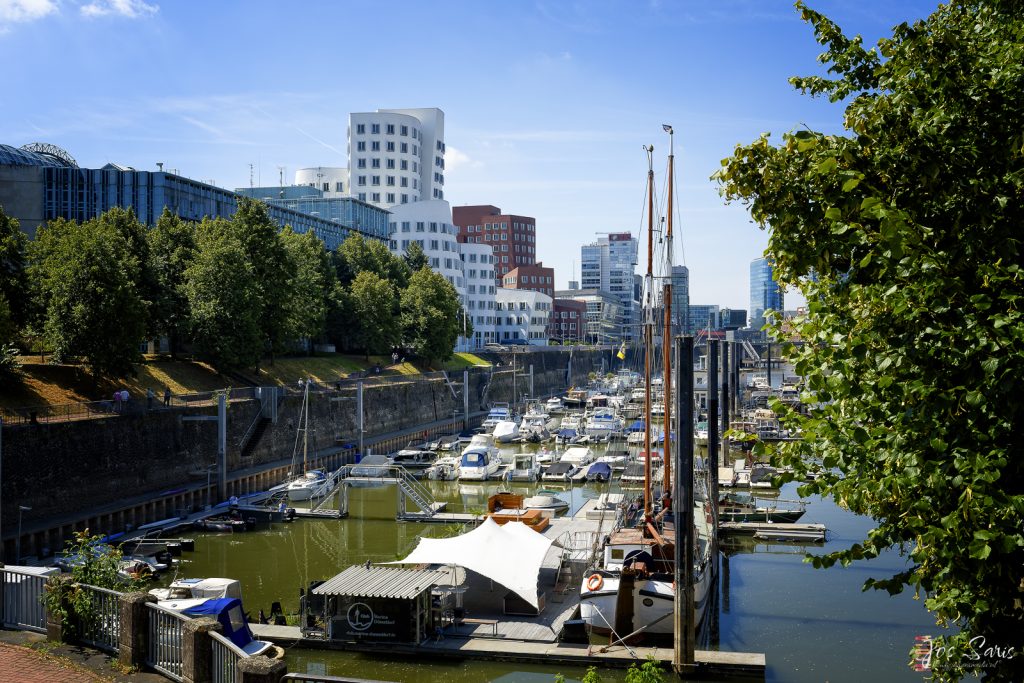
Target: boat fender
<point>594,582</point>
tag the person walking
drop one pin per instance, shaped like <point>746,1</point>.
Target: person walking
<point>117,401</point>
<point>167,396</point>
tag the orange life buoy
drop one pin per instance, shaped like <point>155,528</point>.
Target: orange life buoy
<point>594,582</point>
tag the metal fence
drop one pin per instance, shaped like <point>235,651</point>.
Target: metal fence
<point>102,628</point>
<point>22,600</point>
<point>165,641</point>
<point>225,659</point>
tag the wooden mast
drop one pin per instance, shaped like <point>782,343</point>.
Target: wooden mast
<point>666,342</point>
<point>648,331</point>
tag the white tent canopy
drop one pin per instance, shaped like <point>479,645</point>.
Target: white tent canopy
<point>511,555</point>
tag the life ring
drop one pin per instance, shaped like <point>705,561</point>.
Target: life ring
<point>594,582</point>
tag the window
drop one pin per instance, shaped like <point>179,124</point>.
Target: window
<point>405,226</point>
<point>415,152</point>
<point>415,133</point>
<point>433,227</point>
<point>404,165</point>
<point>375,163</point>
<point>362,195</point>
<point>374,146</point>
<point>390,146</point>
<point>404,148</point>
<point>405,199</point>
<point>361,162</point>
<point>376,196</point>
<point>420,226</point>
<point>391,197</point>
<point>362,180</point>
<point>391,180</point>
<point>361,146</point>
<point>375,128</point>
<point>404,181</point>
<point>390,163</point>
<point>434,245</point>
<point>326,187</point>
<point>360,129</point>
<point>390,129</point>
<point>375,180</point>
<point>405,130</point>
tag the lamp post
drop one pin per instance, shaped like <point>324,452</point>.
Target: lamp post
<point>17,542</point>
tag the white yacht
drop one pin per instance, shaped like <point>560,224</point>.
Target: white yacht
<point>480,459</point>
<point>505,431</point>
<point>525,467</point>
<point>577,456</point>
<point>554,405</point>
<point>602,423</point>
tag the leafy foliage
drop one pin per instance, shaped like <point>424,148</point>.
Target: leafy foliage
<point>87,279</point>
<point>414,257</point>
<point>648,672</point>
<point>375,303</point>
<point>914,337</point>
<point>13,279</point>
<point>172,246</point>
<point>92,564</point>
<point>310,286</point>
<point>430,315</point>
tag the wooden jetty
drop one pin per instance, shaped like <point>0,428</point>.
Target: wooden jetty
<point>777,531</point>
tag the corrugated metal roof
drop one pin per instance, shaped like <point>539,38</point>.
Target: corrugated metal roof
<point>381,582</point>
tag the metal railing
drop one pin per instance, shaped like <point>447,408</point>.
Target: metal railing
<point>165,641</point>
<point>225,659</point>
<point>102,628</point>
<point>22,600</point>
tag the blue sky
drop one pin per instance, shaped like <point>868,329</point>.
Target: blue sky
<point>547,103</point>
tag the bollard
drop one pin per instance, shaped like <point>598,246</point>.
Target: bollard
<point>260,670</point>
<point>133,645</point>
<point>197,649</point>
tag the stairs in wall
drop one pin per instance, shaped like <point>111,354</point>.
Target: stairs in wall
<point>254,437</point>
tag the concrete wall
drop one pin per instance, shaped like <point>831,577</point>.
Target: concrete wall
<point>68,471</point>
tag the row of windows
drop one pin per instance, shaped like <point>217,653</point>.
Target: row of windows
<point>389,129</point>
<point>484,258</point>
<point>403,164</point>
<point>390,198</point>
<point>422,226</point>
<point>516,225</point>
<point>529,279</point>
<point>388,147</point>
<point>484,274</point>
<point>388,180</point>
<point>439,178</point>
<point>498,237</point>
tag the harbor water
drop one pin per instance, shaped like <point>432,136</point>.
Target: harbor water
<point>812,624</point>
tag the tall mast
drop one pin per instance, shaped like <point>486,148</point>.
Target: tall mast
<point>305,426</point>
<point>666,345</point>
<point>648,330</point>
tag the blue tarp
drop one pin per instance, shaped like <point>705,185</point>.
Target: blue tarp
<point>600,469</point>
<point>567,433</point>
<point>637,426</point>
<point>228,612</point>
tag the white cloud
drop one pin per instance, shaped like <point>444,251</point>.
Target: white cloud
<point>132,9</point>
<point>21,11</point>
<point>455,158</point>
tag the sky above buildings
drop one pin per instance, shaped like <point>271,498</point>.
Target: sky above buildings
<point>547,103</point>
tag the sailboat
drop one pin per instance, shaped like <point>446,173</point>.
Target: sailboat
<point>631,591</point>
<point>310,483</point>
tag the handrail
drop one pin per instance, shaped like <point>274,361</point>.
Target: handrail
<point>226,642</point>
<point>244,439</point>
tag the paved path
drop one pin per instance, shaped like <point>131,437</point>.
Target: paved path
<point>26,665</point>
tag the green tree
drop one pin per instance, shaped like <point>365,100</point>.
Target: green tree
<point>357,255</point>
<point>914,338</point>
<point>311,285</point>
<point>414,257</point>
<point>271,268</point>
<point>223,298</point>
<point>135,235</point>
<point>375,303</point>
<point>14,287</point>
<point>431,318</point>
<point>172,246</point>
<point>342,325</point>
<point>87,277</point>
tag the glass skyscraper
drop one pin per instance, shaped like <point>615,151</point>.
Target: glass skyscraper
<point>765,292</point>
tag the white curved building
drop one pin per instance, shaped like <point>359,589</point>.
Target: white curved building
<point>478,268</point>
<point>430,224</point>
<point>331,180</point>
<point>396,156</point>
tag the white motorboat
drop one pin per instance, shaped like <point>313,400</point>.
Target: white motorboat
<point>602,423</point>
<point>413,457</point>
<point>499,413</point>
<point>311,484</point>
<point>545,500</point>
<point>534,429</point>
<point>525,467</point>
<point>184,593</point>
<point>480,459</point>
<point>445,468</point>
<point>554,405</point>
<point>577,456</point>
<point>505,431</point>
<point>616,459</point>
<point>560,471</point>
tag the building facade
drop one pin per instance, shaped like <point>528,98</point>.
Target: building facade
<point>478,269</point>
<point>602,313</point>
<point>513,238</point>
<point>395,156</point>
<point>522,315</point>
<point>765,292</point>
<point>680,298</point>
<point>609,265</point>
<point>538,278</point>
<point>36,187</point>
<point>429,223</point>
<point>568,321</point>
<point>703,317</point>
<point>364,217</point>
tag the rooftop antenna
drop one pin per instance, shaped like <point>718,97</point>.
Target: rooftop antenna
<point>160,166</point>
<point>251,165</point>
<point>280,180</point>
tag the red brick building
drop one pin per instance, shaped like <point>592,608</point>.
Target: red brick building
<point>567,322</point>
<point>512,238</point>
<point>537,278</point>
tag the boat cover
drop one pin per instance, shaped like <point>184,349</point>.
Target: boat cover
<point>227,611</point>
<point>509,554</point>
<point>637,426</point>
<point>567,433</point>
<point>600,468</point>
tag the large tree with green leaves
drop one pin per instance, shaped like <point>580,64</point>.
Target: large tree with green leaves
<point>88,277</point>
<point>310,286</point>
<point>272,270</point>
<point>431,315</point>
<point>357,255</point>
<point>913,347</point>
<point>223,298</point>
<point>172,247</point>
<point>14,289</point>
<point>375,305</point>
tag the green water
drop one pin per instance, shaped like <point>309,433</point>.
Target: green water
<point>813,625</point>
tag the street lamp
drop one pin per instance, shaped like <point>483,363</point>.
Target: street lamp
<point>17,542</point>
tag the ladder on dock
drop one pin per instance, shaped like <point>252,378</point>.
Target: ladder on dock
<point>574,558</point>
<point>419,493</point>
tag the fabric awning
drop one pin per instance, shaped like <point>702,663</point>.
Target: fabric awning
<point>509,554</point>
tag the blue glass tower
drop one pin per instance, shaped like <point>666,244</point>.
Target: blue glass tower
<point>765,292</point>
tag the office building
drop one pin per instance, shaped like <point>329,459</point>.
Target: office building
<point>39,183</point>
<point>513,238</point>
<point>538,278</point>
<point>366,218</point>
<point>522,315</point>
<point>701,318</point>
<point>608,265</point>
<point>395,156</point>
<point>478,270</point>
<point>765,292</point>
<point>680,298</point>
<point>603,311</point>
<point>568,321</point>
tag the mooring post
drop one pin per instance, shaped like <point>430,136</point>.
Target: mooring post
<point>713,419</point>
<point>726,406</point>
<point>222,445</point>
<point>465,399</point>
<point>682,513</point>
<point>532,395</point>
<point>359,412</point>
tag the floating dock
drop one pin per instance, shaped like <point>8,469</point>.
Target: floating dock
<point>776,531</point>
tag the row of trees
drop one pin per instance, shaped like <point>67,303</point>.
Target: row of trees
<point>235,291</point>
